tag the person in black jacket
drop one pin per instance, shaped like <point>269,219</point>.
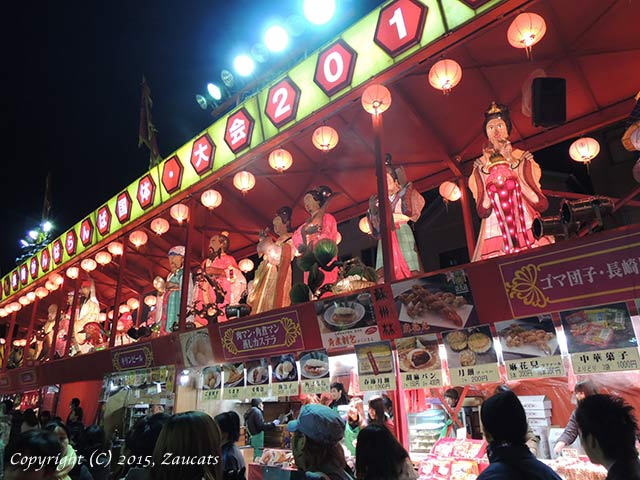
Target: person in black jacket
<point>256,426</point>
<point>505,427</point>
<point>608,433</point>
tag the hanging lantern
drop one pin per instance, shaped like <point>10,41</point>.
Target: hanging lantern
<point>325,138</point>
<point>15,306</point>
<point>445,74</point>
<point>280,160</point>
<point>584,149</point>
<point>49,285</point>
<point>526,30</point>
<point>244,181</point>
<point>3,312</point>
<point>103,317</point>
<point>88,264</point>
<point>56,278</point>
<point>41,292</point>
<point>159,226</point>
<point>24,301</point>
<point>150,300</point>
<point>31,296</point>
<point>133,303</point>
<point>179,212</point>
<point>450,191</point>
<point>376,99</point>
<point>364,225</point>
<point>338,239</point>
<point>138,238</point>
<point>73,272</point>
<point>246,265</point>
<point>103,258</point>
<point>115,248</point>
<point>211,199</point>
<point>124,308</point>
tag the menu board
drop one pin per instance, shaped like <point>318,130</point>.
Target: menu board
<point>471,356</point>
<point>601,339</point>
<point>347,321</point>
<point>375,366</point>
<point>284,376</point>
<point>257,378</point>
<point>435,303</point>
<point>314,372</point>
<point>212,383</point>
<point>196,348</point>
<point>530,348</point>
<point>234,381</point>
<point>419,362</point>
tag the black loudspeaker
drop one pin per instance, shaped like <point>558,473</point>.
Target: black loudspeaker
<point>549,102</point>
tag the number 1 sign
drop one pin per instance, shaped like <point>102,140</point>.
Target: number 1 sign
<point>400,26</point>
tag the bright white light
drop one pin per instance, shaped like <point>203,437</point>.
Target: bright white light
<point>319,12</point>
<point>243,65</point>
<point>24,243</point>
<point>184,379</point>
<point>46,227</point>
<point>214,91</point>
<point>276,38</point>
<point>33,234</point>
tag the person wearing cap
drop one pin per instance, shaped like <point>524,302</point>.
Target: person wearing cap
<point>256,426</point>
<point>505,427</point>
<point>171,291</point>
<point>89,312</point>
<point>316,443</point>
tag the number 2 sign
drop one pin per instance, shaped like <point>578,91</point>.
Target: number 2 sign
<point>400,26</point>
<point>282,102</point>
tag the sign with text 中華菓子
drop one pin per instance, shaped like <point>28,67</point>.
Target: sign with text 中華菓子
<point>599,272</point>
<point>271,334</point>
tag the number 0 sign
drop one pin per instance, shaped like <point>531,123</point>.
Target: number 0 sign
<point>400,26</point>
<point>334,70</point>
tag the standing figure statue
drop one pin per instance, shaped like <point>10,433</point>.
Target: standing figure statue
<point>220,282</point>
<point>89,312</point>
<point>505,183</point>
<point>272,281</point>
<point>170,292</point>
<point>406,205</point>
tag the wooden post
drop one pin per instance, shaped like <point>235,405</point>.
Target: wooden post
<point>9,341</point>
<point>72,319</point>
<point>386,223</point>
<point>466,216</point>
<point>116,302</point>
<point>186,270</point>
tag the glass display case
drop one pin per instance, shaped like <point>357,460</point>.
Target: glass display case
<point>425,429</point>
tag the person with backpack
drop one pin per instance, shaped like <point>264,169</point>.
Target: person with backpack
<point>233,464</point>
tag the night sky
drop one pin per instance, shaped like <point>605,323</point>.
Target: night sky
<point>71,91</point>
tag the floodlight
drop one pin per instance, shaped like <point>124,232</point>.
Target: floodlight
<point>276,38</point>
<point>201,101</point>
<point>227,78</point>
<point>214,91</point>
<point>46,227</point>
<point>319,12</point>
<point>24,243</point>
<point>33,234</point>
<point>243,65</point>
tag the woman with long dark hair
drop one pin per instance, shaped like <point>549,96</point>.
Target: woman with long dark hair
<point>379,456</point>
<point>378,415</point>
<point>233,464</point>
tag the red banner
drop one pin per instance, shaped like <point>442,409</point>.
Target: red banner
<point>599,272</point>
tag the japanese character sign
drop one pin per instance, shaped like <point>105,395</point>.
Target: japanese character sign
<point>34,268</point>
<point>132,358</point>
<point>146,191</point>
<point>239,130</point>
<point>203,153</point>
<point>123,207</point>
<point>86,232</point>
<point>104,220</point>
<point>56,251</point>
<point>71,242</point>
<point>24,274</point>
<point>15,280</point>
<point>45,259</point>
<point>172,174</point>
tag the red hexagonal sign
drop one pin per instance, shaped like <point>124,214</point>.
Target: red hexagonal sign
<point>239,129</point>
<point>24,274</point>
<point>71,242</point>
<point>7,287</point>
<point>15,280</point>
<point>45,259</point>
<point>123,207</point>
<point>400,26</point>
<point>203,151</point>
<point>172,174</point>
<point>56,252</point>
<point>334,70</point>
<point>282,102</point>
<point>86,232</point>
<point>104,220</point>
<point>146,191</point>
<point>474,4</point>
<point>34,268</point>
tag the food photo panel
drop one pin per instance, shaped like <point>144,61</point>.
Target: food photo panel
<point>434,304</point>
<point>528,337</point>
<point>469,347</point>
<point>284,375</point>
<point>314,371</point>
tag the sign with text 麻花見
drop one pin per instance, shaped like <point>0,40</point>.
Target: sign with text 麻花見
<point>601,339</point>
<point>599,272</point>
<point>270,334</point>
<point>419,362</point>
<point>530,348</point>
<point>375,366</point>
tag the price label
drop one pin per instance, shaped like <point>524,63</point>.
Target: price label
<point>614,360</point>
<point>421,379</point>
<point>285,389</point>
<point>254,391</point>
<point>476,374</point>
<point>234,393</point>
<point>535,367</point>
<point>385,381</point>
<point>320,385</point>
<point>208,395</point>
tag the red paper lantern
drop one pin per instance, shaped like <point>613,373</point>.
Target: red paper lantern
<point>526,30</point>
<point>211,199</point>
<point>280,160</point>
<point>376,99</point>
<point>244,181</point>
<point>450,191</point>
<point>445,74</point>
<point>325,138</point>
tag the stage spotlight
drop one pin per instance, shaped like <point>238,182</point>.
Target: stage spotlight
<point>227,78</point>
<point>243,65</point>
<point>202,101</point>
<point>319,12</point>
<point>46,227</point>
<point>549,226</point>
<point>586,210</point>
<point>214,91</point>
<point>276,38</point>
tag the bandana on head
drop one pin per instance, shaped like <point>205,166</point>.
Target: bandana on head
<point>86,283</point>
<point>177,250</point>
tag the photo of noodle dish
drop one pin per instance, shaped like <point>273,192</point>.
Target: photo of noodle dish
<point>314,365</point>
<point>528,337</point>
<point>418,353</point>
